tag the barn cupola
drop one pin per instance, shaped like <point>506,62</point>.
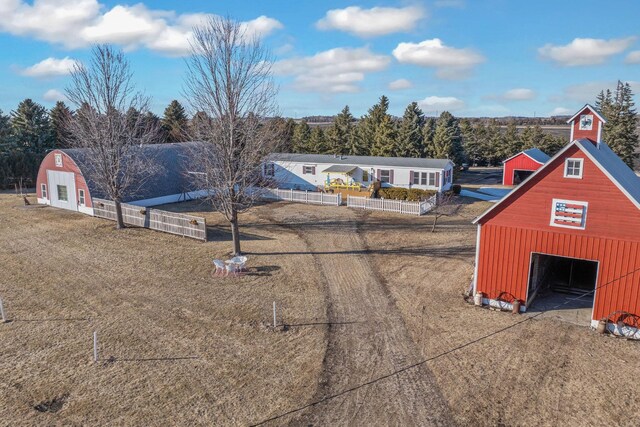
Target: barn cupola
<point>587,123</point>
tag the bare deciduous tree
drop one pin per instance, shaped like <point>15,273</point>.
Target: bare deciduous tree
<point>446,204</point>
<point>229,83</point>
<point>103,126</point>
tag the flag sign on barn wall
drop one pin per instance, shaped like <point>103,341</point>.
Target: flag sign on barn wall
<point>569,213</point>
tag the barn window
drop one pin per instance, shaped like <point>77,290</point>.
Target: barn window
<point>58,159</point>
<point>63,196</point>
<point>385,175</point>
<point>269,169</point>
<point>81,197</point>
<point>43,190</point>
<point>573,168</point>
<point>308,170</point>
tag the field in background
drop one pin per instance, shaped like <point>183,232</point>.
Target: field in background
<point>366,294</point>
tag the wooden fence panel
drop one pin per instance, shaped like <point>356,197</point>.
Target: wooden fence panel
<point>155,219</point>
<point>314,197</point>
<point>398,206</point>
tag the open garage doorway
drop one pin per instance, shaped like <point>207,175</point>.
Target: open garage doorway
<point>559,284</point>
<point>520,175</point>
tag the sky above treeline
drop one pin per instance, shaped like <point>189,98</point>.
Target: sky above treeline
<point>472,57</point>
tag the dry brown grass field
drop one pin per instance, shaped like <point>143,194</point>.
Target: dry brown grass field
<point>365,295</point>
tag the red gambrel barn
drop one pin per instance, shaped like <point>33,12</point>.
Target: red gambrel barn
<point>519,167</point>
<point>571,227</point>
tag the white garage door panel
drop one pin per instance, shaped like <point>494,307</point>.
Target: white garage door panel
<point>65,179</point>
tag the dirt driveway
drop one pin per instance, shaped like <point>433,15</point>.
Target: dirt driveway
<point>367,338</point>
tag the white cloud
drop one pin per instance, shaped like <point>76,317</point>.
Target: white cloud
<point>519,94</point>
<point>586,92</point>
<point>377,21</point>
<point>400,84</point>
<point>449,62</point>
<point>80,23</point>
<point>335,70</point>
<point>437,103</point>
<point>561,111</point>
<point>585,51</point>
<point>54,95</point>
<point>50,67</point>
<point>633,57</point>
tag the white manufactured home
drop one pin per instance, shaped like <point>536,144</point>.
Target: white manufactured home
<point>322,171</point>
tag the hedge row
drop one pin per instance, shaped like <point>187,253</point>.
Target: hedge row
<point>411,195</point>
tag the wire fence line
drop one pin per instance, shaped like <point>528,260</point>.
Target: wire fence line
<point>439,355</point>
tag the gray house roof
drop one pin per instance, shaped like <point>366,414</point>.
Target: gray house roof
<point>173,161</point>
<point>408,162</point>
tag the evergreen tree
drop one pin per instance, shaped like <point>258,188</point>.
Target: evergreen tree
<point>5,129</point>
<point>495,147</point>
<point>533,137</point>
<point>428,132</point>
<point>301,137</point>
<point>31,127</point>
<point>620,131</point>
<point>447,142</point>
<point>60,116</point>
<point>376,130</point>
<point>285,128</point>
<point>317,142</point>
<point>341,133</point>
<point>513,142</point>
<point>410,141</point>
<point>175,122</point>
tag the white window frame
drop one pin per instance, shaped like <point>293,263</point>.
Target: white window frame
<point>58,160</point>
<point>307,169</point>
<point>43,191</point>
<point>566,167</point>
<point>66,189</point>
<point>432,177</point>
<point>388,172</point>
<point>270,169</point>
<point>81,198</point>
<point>585,205</point>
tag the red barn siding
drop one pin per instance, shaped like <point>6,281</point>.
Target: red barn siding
<point>520,226</point>
<point>519,162</point>
<point>68,165</point>
<point>589,134</point>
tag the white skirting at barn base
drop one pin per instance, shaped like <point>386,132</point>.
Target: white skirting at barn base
<point>621,331</point>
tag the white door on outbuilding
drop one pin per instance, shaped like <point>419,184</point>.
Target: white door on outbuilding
<point>62,189</point>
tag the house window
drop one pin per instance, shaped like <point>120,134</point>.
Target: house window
<point>308,170</point>
<point>365,175</point>
<point>43,190</point>
<point>573,168</point>
<point>385,175</point>
<point>568,213</point>
<point>81,197</point>
<point>62,193</point>
<point>432,179</point>
<point>415,179</point>
<point>269,169</point>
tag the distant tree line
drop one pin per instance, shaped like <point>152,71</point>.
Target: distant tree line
<point>414,135</point>
<point>31,131</point>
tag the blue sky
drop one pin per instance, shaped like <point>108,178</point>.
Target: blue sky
<point>472,57</point>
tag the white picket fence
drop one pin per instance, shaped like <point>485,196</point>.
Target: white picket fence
<point>313,197</point>
<point>399,206</point>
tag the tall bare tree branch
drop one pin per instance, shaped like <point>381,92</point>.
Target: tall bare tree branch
<point>229,84</point>
<point>106,129</point>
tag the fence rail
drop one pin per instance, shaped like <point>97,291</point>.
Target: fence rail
<point>399,206</point>
<point>155,219</point>
<point>313,197</point>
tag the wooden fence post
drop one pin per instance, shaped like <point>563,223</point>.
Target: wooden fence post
<point>4,319</point>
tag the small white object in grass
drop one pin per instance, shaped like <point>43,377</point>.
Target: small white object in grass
<point>4,319</point>
<point>274,314</point>
<point>95,346</point>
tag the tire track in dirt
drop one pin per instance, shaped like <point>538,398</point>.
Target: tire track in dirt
<point>378,345</point>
